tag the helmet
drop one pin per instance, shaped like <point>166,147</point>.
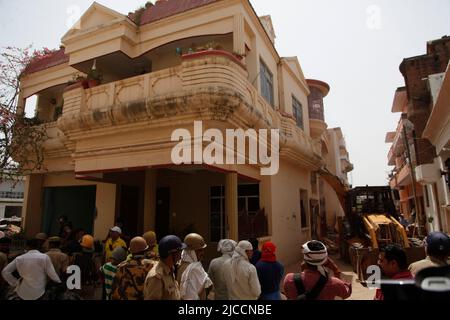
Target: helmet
<point>119,254</point>
<point>169,244</point>
<point>87,242</point>
<point>138,245</point>
<point>194,241</point>
<point>150,238</point>
<point>438,244</point>
<point>41,236</point>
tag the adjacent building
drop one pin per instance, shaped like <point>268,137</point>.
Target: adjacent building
<point>11,198</point>
<point>163,67</point>
<point>420,143</point>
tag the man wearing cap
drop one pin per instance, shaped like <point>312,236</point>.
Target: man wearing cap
<point>437,250</point>
<point>160,283</point>
<point>240,275</point>
<point>114,241</point>
<point>216,267</point>
<point>314,283</point>
<point>128,284</point>
<point>59,259</point>
<point>109,269</point>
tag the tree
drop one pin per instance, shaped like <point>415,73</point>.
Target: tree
<point>21,138</point>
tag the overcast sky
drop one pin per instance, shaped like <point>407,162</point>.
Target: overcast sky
<point>356,46</point>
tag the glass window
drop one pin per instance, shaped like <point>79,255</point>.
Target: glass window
<point>266,83</point>
<point>297,112</point>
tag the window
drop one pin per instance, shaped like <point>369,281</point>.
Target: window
<point>248,198</point>
<point>298,112</point>
<point>217,213</point>
<point>13,211</point>
<point>266,83</point>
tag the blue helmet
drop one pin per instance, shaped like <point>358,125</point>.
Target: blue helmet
<point>168,245</point>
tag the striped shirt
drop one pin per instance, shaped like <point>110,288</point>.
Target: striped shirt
<point>109,271</point>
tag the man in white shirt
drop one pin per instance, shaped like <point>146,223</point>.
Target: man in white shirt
<point>33,268</point>
<point>240,275</point>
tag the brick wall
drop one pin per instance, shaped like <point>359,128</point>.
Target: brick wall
<point>416,70</point>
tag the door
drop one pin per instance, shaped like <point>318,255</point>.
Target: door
<point>130,210</point>
<point>162,212</point>
<point>77,203</point>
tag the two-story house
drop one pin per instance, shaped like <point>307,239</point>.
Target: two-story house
<point>109,147</point>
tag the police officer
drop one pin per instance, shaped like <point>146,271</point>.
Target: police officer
<point>194,252</point>
<point>160,283</point>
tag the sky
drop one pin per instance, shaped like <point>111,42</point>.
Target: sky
<point>356,46</point>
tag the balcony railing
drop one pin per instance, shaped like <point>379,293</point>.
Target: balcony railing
<point>11,195</point>
<point>180,91</point>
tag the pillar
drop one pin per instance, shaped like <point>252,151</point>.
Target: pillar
<point>150,200</point>
<point>238,34</point>
<point>231,204</point>
<point>105,209</point>
<point>32,204</point>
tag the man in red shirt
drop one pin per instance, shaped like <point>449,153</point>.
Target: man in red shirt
<point>393,263</point>
<point>314,282</point>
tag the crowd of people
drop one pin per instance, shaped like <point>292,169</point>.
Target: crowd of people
<point>143,269</point>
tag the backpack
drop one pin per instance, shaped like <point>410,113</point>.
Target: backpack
<point>312,294</point>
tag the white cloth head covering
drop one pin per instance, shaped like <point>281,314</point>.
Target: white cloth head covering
<point>193,281</point>
<point>316,257</point>
<point>189,256</point>
<point>239,256</point>
<point>226,246</point>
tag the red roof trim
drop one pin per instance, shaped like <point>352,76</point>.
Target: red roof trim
<point>166,8</point>
<point>54,59</point>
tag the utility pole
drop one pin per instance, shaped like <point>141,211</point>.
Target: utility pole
<point>413,176</point>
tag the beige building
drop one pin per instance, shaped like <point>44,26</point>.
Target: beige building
<point>435,177</point>
<point>108,154</point>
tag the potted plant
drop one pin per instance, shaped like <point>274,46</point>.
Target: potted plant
<point>94,76</point>
<point>77,81</point>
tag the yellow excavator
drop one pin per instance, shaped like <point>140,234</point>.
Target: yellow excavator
<point>371,223</point>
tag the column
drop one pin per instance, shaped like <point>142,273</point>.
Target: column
<point>32,204</point>
<point>231,204</point>
<point>21,104</point>
<point>150,200</point>
<point>105,205</point>
<point>238,34</point>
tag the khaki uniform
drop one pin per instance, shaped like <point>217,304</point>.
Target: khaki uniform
<point>428,262</point>
<point>128,284</point>
<point>59,259</point>
<point>181,267</point>
<point>161,284</point>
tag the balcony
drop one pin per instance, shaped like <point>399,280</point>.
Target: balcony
<point>397,147</point>
<point>128,123</point>
<point>402,177</point>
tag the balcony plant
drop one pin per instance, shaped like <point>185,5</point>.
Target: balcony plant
<point>78,81</point>
<point>94,78</point>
